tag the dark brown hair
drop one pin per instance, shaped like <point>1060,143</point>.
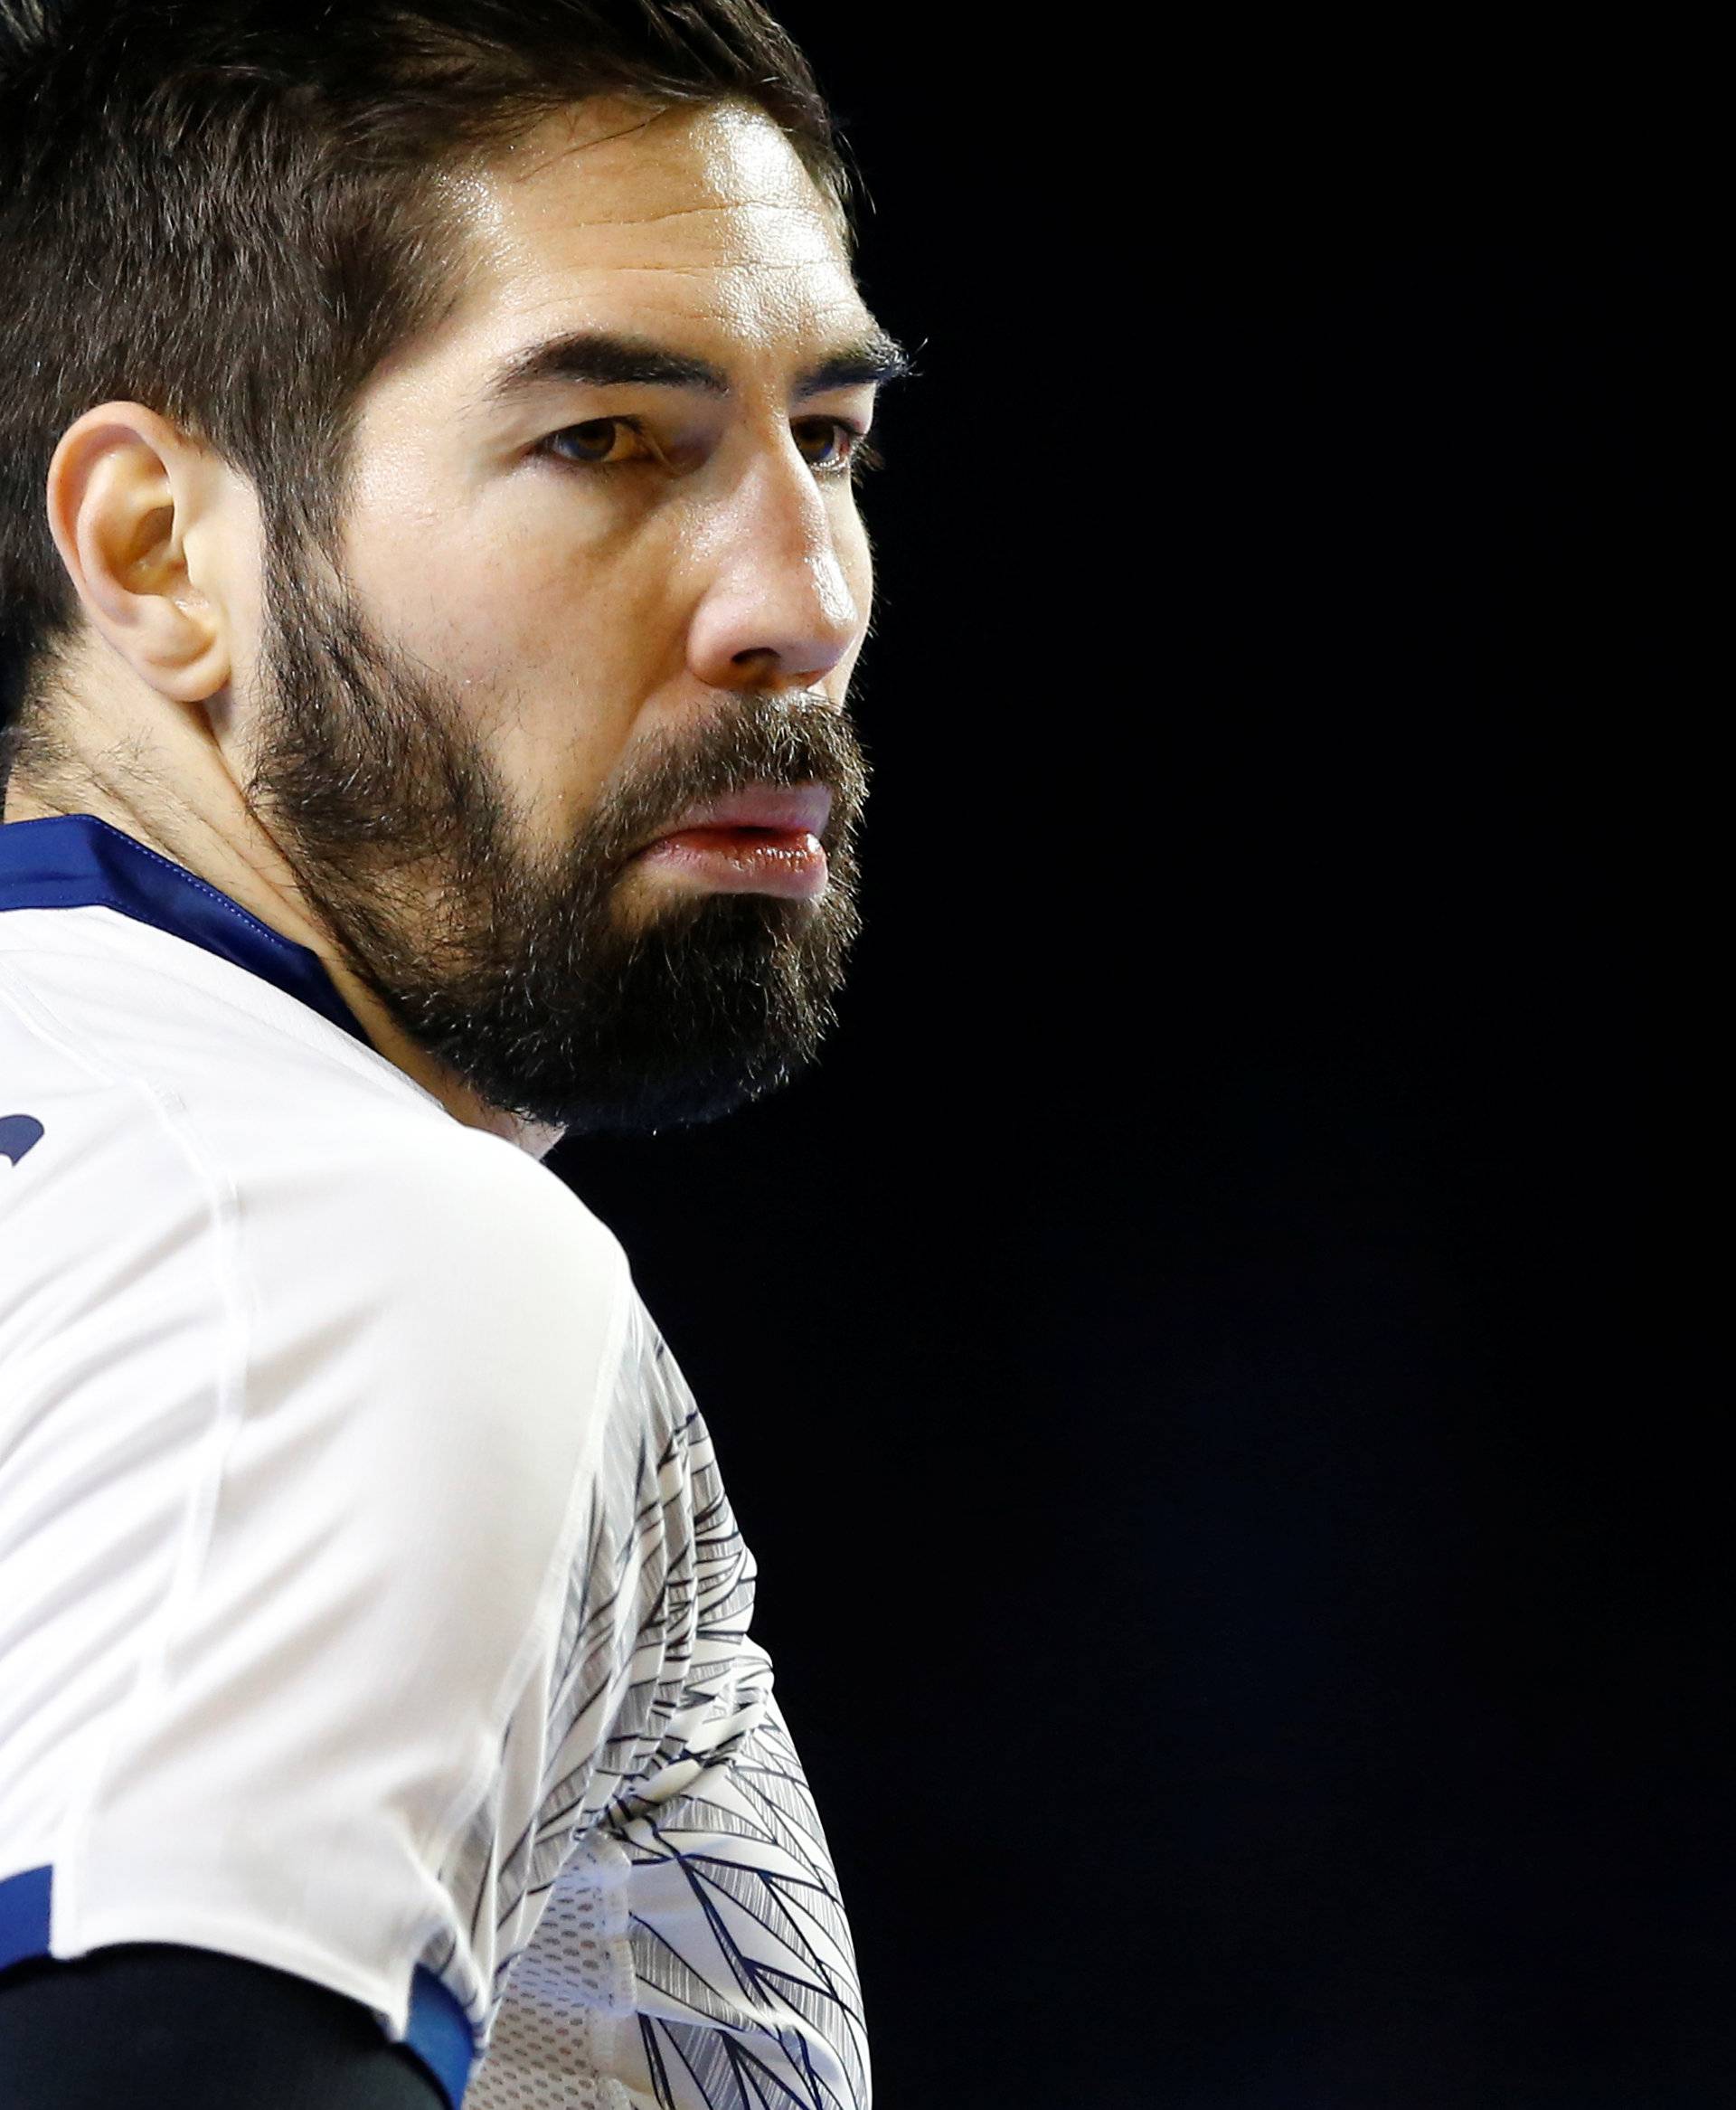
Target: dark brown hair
<point>228,212</point>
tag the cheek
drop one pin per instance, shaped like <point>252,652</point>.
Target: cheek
<point>477,612</point>
<point>536,652</point>
<point>443,567</point>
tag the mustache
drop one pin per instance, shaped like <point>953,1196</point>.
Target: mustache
<point>752,742</point>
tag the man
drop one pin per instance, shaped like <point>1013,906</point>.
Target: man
<point>433,578</point>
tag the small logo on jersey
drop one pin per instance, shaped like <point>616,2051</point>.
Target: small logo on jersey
<point>19,1135</point>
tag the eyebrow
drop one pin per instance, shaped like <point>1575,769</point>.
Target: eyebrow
<point>615,359</point>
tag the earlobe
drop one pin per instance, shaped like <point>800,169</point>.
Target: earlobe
<point>124,492</point>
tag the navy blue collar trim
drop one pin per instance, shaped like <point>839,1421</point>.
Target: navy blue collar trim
<point>73,860</point>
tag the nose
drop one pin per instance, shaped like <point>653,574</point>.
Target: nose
<point>783,604</point>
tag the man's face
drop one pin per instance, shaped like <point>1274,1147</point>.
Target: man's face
<point>473,745</point>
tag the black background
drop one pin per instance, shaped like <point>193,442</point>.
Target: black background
<point>1237,1542</point>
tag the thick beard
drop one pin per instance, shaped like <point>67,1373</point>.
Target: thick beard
<point>516,968</point>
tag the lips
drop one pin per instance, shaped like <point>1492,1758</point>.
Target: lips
<point>762,840</point>
<point>795,809</point>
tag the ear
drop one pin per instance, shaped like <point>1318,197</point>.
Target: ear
<point>128,498</point>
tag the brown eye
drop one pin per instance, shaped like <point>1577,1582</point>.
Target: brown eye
<point>838,436</point>
<point>853,456</point>
<point>569,444</point>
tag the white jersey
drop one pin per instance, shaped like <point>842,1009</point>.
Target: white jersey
<point>370,1606</point>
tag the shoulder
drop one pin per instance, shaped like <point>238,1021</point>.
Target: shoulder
<point>299,1218</point>
<point>455,1253</point>
<point>223,1174</point>
<point>440,1321</point>
<point>427,1185</point>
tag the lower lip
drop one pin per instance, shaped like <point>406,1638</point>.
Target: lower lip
<point>742,860</point>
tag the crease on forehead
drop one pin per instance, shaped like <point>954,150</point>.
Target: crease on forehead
<point>716,168</point>
<point>529,257</point>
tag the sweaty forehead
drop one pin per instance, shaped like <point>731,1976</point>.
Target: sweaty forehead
<point>703,214</point>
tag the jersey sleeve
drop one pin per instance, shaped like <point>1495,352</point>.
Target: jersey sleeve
<point>688,1947</point>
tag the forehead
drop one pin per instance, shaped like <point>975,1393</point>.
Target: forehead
<point>700,220</point>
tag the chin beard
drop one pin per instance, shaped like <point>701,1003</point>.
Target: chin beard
<point>512,964</point>
<point>716,1003</point>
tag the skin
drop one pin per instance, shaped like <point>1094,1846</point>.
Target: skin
<point>575,618</point>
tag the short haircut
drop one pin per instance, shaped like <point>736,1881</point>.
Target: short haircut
<point>227,209</point>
